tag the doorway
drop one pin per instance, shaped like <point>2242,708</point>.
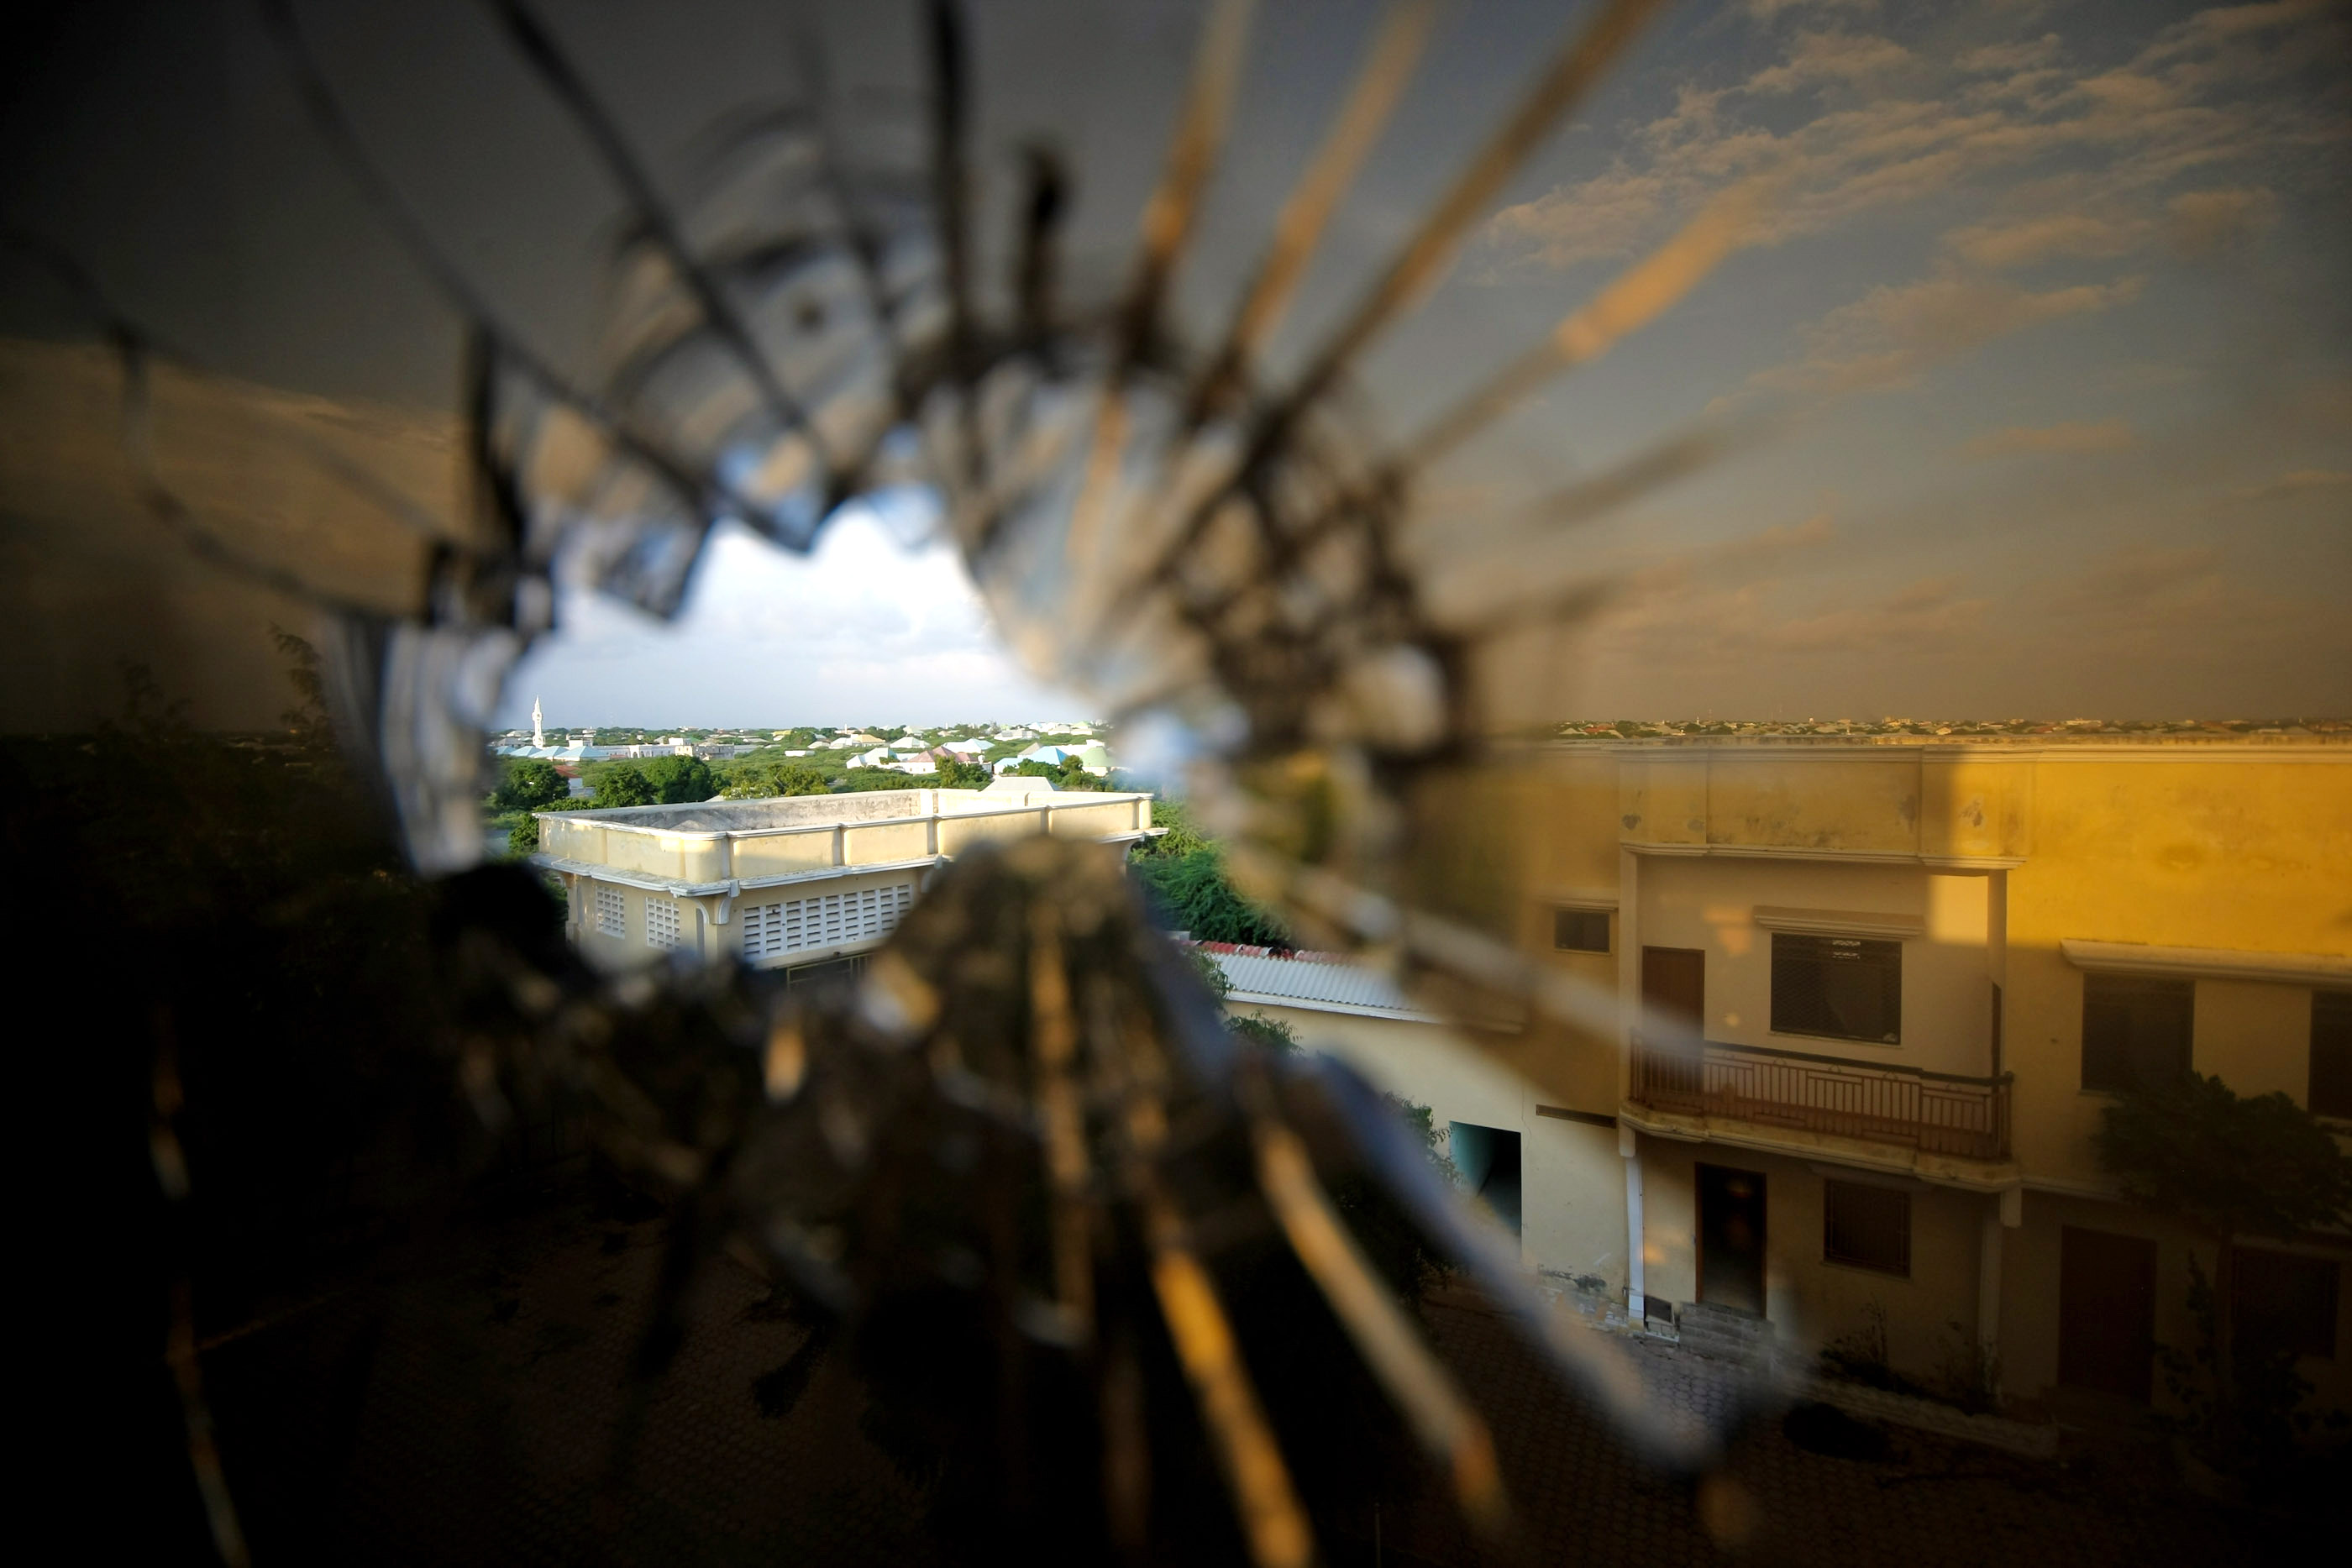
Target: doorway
<point>1731,1239</point>
<point>2106,1312</point>
<point>1673,995</point>
<point>1488,1160</point>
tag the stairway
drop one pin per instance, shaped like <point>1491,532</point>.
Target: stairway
<point>1722,1335</point>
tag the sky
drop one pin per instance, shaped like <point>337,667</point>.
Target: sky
<point>864,631</point>
<point>2054,290</point>
<point>2040,302</point>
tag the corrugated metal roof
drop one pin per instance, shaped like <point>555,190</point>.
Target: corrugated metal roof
<point>1314,983</point>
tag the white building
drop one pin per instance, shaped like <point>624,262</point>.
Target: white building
<point>800,884</point>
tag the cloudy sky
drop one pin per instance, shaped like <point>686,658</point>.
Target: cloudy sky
<point>2050,294</point>
<point>2034,314</point>
<point>864,631</point>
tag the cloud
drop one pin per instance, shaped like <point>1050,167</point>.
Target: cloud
<point>2026,240</point>
<point>864,630</point>
<point>2206,223</point>
<point>2215,90</point>
<point>2106,435</point>
<point>2296,483</point>
<point>1821,60</point>
<point>2135,584</point>
<point>1765,10</point>
<point>1924,612</point>
<point>2024,54</point>
<point>1891,334</point>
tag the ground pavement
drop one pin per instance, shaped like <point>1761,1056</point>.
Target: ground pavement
<point>463,1410</point>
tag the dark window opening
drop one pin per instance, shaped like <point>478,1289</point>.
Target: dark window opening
<point>2279,1303</point>
<point>1488,1160</point>
<point>1841,987</point>
<point>2331,1053</point>
<point>832,972</point>
<point>1866,1227</point>
<point>2135,1031</point>
<point>1581,930</point>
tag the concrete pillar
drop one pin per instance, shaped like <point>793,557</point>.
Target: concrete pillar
<point>2006,1212</point>
<point>1989,1244</point>
<point>1636,1298</point>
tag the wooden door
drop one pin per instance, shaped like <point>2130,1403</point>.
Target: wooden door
<point>1674,994</point>
<point>2106,1312</point>
<point>1731,1239</point>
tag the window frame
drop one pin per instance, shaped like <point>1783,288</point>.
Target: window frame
<point>1870,950</point>
<point>1562,914</point>
<point>662,923</point>
<point>2331,1032</point>
<point>2119,989</point>
<point>612,912</point>
<point>1850,1195</point>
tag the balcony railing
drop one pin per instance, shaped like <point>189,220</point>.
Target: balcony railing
<point>1934,1112</point>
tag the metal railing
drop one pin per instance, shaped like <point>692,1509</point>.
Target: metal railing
<point>1934,1112</point>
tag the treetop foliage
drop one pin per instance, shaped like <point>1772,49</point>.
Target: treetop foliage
<point>772,778</point>
<point>1185,871</point>
<point>528,784</point>
<point>2230,1166</point>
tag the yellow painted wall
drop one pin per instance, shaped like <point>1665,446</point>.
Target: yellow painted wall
<point>1811,1301</point>
<point>2233,846</point>
<point>2237,851</point>
<point>1709,903</point>
<point>1572,1181</point>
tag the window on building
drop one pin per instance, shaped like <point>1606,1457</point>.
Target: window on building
<point>2331,1053</point>
<point>824,920</point>
<point>2135,1031</point>
<point>612,912</point>
<point>1581,930</point>
<point>1844,987</point>
<point>2278,1301</point>
<point>1866,1227</point>
<point>661,922</point>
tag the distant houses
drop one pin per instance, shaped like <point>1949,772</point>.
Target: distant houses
<point>1095,759</point>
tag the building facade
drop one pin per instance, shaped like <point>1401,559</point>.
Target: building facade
<point>1870,1000</point>
<point>804,884</point>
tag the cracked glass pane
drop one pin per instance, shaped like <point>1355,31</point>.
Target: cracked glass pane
<point>1340,399</point>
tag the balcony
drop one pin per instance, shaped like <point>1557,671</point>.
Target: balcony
<point>1933,1112</point>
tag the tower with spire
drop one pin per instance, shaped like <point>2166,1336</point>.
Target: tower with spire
<point>538,728</point>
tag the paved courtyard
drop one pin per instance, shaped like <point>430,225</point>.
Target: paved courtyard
<point>465,1411</point>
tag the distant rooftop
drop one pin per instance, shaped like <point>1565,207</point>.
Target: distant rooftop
<point>2023,732</point>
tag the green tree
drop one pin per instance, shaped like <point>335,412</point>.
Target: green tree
<point>1272,1034</point>
<point>681,780</point>
<point>1184,870</point>
<point>2228,1166</point>
<point>625,785</point>
<point>858,780</point>
<point>763,780</point>
<point>528,784</point>
<point>964,775</point>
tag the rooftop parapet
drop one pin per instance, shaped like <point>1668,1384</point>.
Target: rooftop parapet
<point>724,845</point>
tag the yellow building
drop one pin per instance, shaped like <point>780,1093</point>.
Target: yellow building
<point>806,884</point>
<point>1871,999</point>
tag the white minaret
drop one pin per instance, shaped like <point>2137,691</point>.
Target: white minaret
<point>538,730</point>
